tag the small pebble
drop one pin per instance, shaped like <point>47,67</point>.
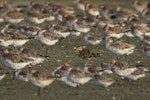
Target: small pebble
<point>59,60</point>
<point>114,98</point>
<point>138,61</point>
<point>67,56</point>
<point>74,48</point>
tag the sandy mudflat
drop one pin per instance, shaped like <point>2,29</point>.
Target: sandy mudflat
<point>63,52</point>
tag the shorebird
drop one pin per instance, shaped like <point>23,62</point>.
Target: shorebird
<point>80,4</point>
<point>39,79</point>
<point>93,40</point>
<point>101,22</point>
<point>48,13</point>
<point>103,10</point>
<point>59,15</point>
<point>75,33</point>
<point>139,73</point>
<point>106,68</point>
<point>122,68</point>
<point>113,31</point>
<point>5,6</point>
<point>37,58</point>
<point>13,38</point>
<point>139,31</point>
<point>35,7</point>
<point>10,28</point>
<point>61,71</point>
<point>79,26</point>
<point>89,21</point>
<point>146,14</point>
<point>91,69</point>
<point>69,20</point>
<point>13,60</point>
<point>117,31</point>
<point>61,31</point>
<point>10,5</point>
<point>29,30</point>
<point>61,74</point>
<point>13,16</point>
<point>121,14</point>
<point>47,38</point>
<point>115,13</point>
<point>21,75</point>
<point>66,9</point>
<point>103,80</point>
<point>139,6</point>
<point>36,18</point>
<point>119,47</point>
<point>136,20</point>
<point>92,9</point>
<point>146,39</point>
<point>77,76</point>
<point>21,7</point>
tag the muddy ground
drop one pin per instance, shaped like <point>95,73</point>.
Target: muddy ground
<point>63,52</point>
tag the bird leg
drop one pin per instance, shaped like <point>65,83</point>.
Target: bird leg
<point>39,91</point>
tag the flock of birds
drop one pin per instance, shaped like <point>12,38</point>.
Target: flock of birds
<point>20,24</point>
